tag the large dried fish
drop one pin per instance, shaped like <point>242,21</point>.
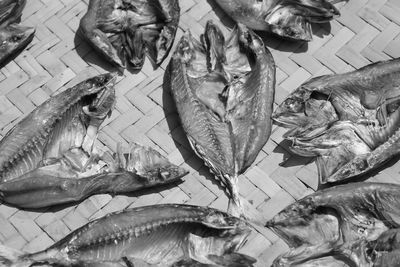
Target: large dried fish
<point>13,37</point>
<point>350,121</point>
<point>224,92</point>
<point>159,235</point>
<point>287,18</point>
<point>48,156</point>
<point>348,225</point>
<point>122,31</point>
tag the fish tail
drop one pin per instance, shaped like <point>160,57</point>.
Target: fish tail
<point>13,258</point>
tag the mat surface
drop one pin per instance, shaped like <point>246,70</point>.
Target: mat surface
<point>57,58</point>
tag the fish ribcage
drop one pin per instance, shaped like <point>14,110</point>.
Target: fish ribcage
<point>30,160</point>
<point>110,241</point>
<point>67,133</point>
<point>21,155</point>
<point>153,243</point>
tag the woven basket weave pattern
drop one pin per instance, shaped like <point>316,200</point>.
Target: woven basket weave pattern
<point>57,58</point>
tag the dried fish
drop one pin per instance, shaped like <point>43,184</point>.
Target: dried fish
<point>287,18</point>
<point>48,157</point>
<point>123,31</point>
<point>13,37</point>
<point>349,121</point>
<point>224,92</point>
<point>159,235</point>
<point>349,225</point>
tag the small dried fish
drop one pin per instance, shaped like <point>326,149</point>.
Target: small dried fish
<point>349,225</point>
<point>224,93</point>
<point>123,31</point>
<point>349,121</point>
<point>159,235</point>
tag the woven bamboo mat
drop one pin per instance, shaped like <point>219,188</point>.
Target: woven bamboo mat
<point>57,58</point>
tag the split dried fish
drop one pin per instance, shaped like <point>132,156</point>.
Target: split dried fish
<point>48,158</point>
<point>124,30</point>
<point>13,37</point>
<point>224,93</point>
<point>287,18</point>
<point>159,235</point>
<point>349,121</point>
<point>349,225</point>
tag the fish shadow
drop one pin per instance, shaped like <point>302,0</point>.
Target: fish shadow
<point>178,135</point>
<point>321,29</point>
<point>290,159</point>
<point>363,177</point>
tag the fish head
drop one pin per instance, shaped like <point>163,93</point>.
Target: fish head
<point>343,121</point>
<point>13,38</point>
<point>231,234</point>
<point>338,221</point>
<point>102,92</point>
<point>151,166</point>
<point>305,111</point>
<point>306,222</point>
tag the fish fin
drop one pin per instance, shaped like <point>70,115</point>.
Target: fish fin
<point>10,257</point>
<point>285,23</point>
<point>327,165</point>
<point>233,260</point>
<point>245,210</point>
<point>147,162</point>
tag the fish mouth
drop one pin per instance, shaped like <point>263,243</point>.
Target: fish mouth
<point>100,99</point>
<point>350,128</point>
<point>335,221</point>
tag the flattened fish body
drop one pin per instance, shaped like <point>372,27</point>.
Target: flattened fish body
<point>24,145</point>
<point>206,134</point>
<point>159,235</point>
<point>32,134</point>
<point>287,18</point>
<point>224,92</point>
<point>346,222</point>
<point>350,121</point>
<point>124,31</point>
<point>60,183</point>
